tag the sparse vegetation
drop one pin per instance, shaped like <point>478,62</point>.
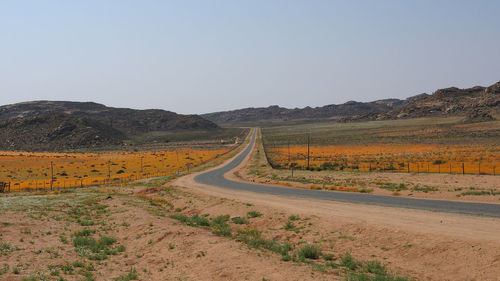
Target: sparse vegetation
<point>310,252</point>
<point>94,249</point>
<point>4,269</point>
<point>132,275</point>
<point>478,193</point>
<point>290,226</point>
<point>253,239</point>
<point>393,186</point>
<point>6,248</point>
<point>254,214</point>
<point>239,220</point>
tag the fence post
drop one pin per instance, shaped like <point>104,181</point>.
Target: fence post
<point>463,168</point>
<point>308,149</point>
<point>408,166</point>
<point>51,174</point>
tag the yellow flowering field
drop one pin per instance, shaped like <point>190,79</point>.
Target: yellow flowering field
<point>32,170</point>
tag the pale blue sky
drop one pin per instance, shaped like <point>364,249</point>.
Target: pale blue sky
<point>204,56</point>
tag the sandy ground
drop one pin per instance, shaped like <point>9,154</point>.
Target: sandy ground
<point>158,248</point>
<point>421,245</point>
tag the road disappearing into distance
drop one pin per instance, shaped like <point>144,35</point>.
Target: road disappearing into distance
<point>216,178</point>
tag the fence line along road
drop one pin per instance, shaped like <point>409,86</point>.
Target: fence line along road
<point>216,178</point>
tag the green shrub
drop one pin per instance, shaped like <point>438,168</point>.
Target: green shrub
<point>92,248</point>
<point>289,226</point>
<point>328,257</point>
<point>194,220</point>
<point>254,214</point>
<point>85,223</point>
<point>179,217</point>
<point>220,220</point>
<point>375,267</point>
<point>220,227</point>
<point>78,264</point>
<point>253,239</point>
<point>348,261</point>
<point>310,252</point>
<point>4,269</point>
<point>197,220</point>
<point>393,186</point>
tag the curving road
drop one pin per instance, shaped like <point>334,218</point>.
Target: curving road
<point>216,178</point>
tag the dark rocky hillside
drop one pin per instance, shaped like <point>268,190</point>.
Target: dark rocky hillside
<point>475,104</point>
<point>58,125</point>
<point>129,121</point>
<point>55,132</point>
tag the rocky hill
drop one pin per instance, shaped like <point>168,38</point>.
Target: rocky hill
<point>60,125</point>
<point>55,132</point>
<point>280,114</point>
<point>476,104</point>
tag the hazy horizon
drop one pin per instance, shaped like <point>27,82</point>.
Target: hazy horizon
<point>27,101</point>
<point>206,56</point>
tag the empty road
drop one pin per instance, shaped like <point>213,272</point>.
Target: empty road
<point>216,178</point>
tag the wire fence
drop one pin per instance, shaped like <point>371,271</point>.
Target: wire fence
<point>47,184</point>
<point>451,163</point>
<point>112,178</point>
<point>449,167</point>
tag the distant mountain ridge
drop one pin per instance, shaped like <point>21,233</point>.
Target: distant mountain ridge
<point>476,104</point>
<point>280,114</point>
<point>63,125</point>
<point>59,125</point>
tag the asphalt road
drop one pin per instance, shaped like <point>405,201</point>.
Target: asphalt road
<point>216,178</point>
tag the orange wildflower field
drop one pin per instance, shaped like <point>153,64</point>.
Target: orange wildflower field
<point>33,170</point>
<point>429,158</point>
